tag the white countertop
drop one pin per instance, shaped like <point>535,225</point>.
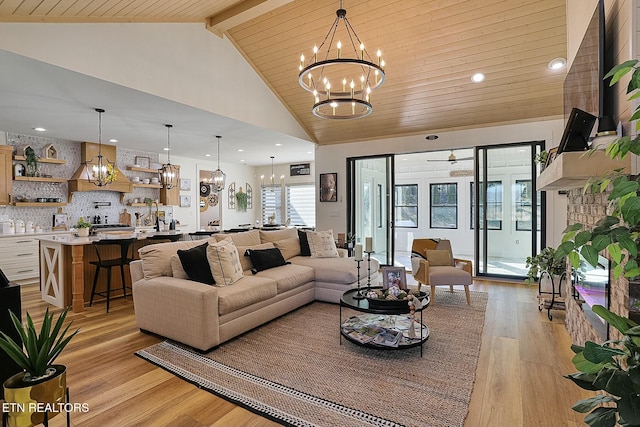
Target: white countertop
<point>36,235</point>
<point>71,240</point>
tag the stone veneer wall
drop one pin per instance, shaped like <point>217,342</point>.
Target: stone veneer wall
<point>588,209</point>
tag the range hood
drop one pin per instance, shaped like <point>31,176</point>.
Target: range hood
<point>80,182</point>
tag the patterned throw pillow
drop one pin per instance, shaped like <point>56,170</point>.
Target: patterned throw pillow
<point>224,262</point>
<point>322,244</point>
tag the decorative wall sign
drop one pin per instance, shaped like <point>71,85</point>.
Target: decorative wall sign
<point>300,169</point>
<point>249,196</point>
<point>185,201</point>
<point>50,152</point>
<point>185,184</point>
<point>232,195</point>
<point>143,162</point>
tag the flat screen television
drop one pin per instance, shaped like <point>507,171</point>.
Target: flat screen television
<point>577,131</point>
<point>584,87</point>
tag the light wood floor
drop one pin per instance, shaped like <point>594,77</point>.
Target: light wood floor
<point>518,381</point>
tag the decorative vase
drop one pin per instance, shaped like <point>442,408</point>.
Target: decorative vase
<point>24,397</point>
<point>83,232</point>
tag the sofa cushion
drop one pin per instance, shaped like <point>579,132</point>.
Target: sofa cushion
<point>224,262</point>
<point>439,257</point>
<point>155,258</point>
<point>275,235</point>
<point>245,261</point>
<point>195,263</point>
<point>446,275</point>
<point>244,238</point>
<point>322,244</point>
<point>264,259</point>
<point>304,243</point>
<point>289,247</point>
<point>176,268</point>
<point>246,291</point>
<point>336,270</point>
<point>289,276</point>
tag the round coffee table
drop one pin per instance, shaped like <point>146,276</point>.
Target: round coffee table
<point>382,327</point>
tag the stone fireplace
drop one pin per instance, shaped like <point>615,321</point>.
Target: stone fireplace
<point>588,209</point>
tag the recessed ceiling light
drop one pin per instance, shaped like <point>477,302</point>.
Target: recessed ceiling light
<point>241,161</point>
<point>166,148</point>
<point>207,155</point>
<point>40,129</point>
<point>405,159</point>
<point>240,150</point>
<point>477,78</point>
<point>309,152</point>
<point>113,140</point>
<point>278,145</point>
<point>557,63</point>
<point>431,137</point>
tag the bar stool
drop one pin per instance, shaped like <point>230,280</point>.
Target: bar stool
<point>158,238</point>
<point>101,262</point>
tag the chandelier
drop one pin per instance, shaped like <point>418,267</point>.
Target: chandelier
<point>218,177</point>
<point>341,80</point>
<point>169,172</point>
<point>100,171</point>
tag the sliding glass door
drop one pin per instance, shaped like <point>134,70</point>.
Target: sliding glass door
<point>369,212</point>
<point>508,219</point>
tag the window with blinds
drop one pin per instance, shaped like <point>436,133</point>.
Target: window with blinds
<point>272,203</point>
<point>299,204</point>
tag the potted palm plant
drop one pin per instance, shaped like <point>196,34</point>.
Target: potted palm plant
<point>41,381</point>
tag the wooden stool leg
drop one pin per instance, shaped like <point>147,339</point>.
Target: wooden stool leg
<point>466,291</point>
<point>433,294</point>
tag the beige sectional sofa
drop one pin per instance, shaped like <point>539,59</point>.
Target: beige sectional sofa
<point>203,316</point>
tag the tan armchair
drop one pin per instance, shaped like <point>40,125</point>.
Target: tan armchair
<point>433,264</point>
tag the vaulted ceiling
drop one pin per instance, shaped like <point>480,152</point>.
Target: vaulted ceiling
<point>431,48</point>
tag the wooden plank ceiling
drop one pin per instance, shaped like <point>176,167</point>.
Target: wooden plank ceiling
<point>431,49</point>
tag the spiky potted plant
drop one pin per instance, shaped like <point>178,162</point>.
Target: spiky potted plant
<point>41,381</point>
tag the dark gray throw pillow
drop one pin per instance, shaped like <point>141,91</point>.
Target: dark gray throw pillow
<point>304,243</point>
<point>195,263</point>
<point>264,259</point>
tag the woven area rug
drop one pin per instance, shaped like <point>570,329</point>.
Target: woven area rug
<point>295,371</point>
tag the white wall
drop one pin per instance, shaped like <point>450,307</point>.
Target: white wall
<point>332,158</point>
<point>240,174</point>
<point>181,62</point>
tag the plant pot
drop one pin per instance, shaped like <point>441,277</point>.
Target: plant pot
<point>25,395</point>
<point>83,232</point>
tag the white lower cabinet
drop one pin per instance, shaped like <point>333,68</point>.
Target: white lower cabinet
<point>19,258</point>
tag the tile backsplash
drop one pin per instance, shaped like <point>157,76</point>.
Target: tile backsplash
<point>83,203</point>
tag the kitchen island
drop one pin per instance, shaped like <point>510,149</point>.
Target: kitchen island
<point>66,276</point>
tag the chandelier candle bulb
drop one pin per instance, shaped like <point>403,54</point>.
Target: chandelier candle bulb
<point>379,56</point>
<point>358,253</point>
<point>339,48</point>
<point>344,84</point>
<point>362,51</point>
<point>352,86</point>
<point>315,53</point>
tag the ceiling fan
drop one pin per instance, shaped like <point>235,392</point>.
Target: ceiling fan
<point>452,158</point>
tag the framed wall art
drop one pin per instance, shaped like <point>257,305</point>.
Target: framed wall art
<point>185,201</point>
<point>329,187</point>
<point>185,184</point>
<point>143,162</point>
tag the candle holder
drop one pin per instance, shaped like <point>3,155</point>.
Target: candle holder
<point>359,294</point>
<point>369,268</point>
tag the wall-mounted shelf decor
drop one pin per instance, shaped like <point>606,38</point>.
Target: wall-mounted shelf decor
<point>249,195</point>
<point>40,160</point>
<point>38,204</point>
<point>49,152</point>
<point>141,169</point>
<point>148,185</point>
<point>232,195</point>
<point>38,179</point>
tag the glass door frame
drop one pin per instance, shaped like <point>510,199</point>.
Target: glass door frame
<point>388,198</point>
<point>535,147</point>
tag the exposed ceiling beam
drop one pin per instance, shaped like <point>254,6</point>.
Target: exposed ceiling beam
<point>241,13</point>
